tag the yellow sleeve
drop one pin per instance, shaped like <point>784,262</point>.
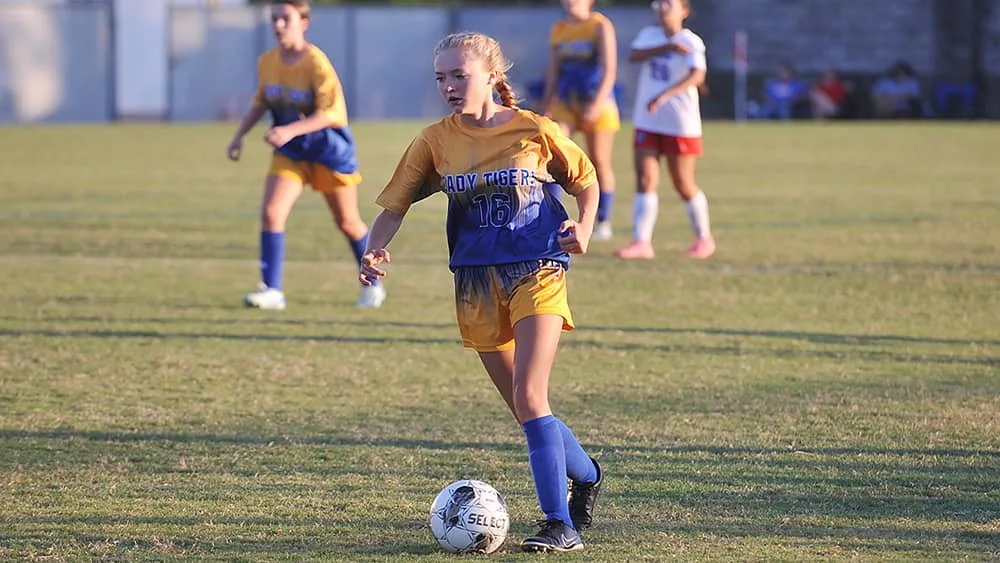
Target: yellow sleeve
<point>258,97</point>
<point>569,165</point>
<point>415,178</point>
<point>329,92</point>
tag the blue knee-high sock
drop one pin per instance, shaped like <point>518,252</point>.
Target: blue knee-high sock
<point>548,466</point>
<point>272,258</point>
<point>604,204</point>
<point>358,247</point>
<point>579,467</point>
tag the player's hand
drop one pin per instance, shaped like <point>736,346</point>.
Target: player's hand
<point>234,149</point>
<point>370,271</point>
<point>657,102</point>
<point>592,112</point>
<point>278,137</point>
<point>677,48</point>
<point>574,237</point>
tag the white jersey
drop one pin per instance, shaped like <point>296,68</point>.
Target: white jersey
<point>680,116</point>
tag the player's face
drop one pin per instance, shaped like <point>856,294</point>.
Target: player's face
<point>578,8</point>
<point>288,26</point>
<point>462,79</point>
<point>670,12</point>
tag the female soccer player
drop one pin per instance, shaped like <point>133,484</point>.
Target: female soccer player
<point>312,145</point>
<point>509,242</point>
<point>579,95</point>
<point>668,123</point>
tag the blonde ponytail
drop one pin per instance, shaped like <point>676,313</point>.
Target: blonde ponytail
<point>508,96</point>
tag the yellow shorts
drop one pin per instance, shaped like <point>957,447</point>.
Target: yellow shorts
<point>572,115</point>
<point>321,178</point>
<point>490,300</point>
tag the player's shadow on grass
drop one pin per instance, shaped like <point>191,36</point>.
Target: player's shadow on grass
<point>864,534</point>
<point>159,335</point>
<point>732,350</point>
<point>305,537</point>
<point>710,455</point>
<point>775,490</point>
<point>250,439</point>
<point>816,337</point>
<point>917,499</point>
<point>736,491</point>
<point>805,336</point>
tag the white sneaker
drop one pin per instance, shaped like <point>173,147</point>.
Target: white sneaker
<point>602,231</point>
<point>371,296</point>
<point>265,298</point>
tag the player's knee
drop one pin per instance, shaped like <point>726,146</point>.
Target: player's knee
<point>603,165</point>
<point>273,217</point>
<point>529,403</point>
<point>351,225</point>
<point>646,184</point>
<point>686,188</point>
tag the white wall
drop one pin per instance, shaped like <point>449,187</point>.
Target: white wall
<point>54,62</point>
<point>141,29</point>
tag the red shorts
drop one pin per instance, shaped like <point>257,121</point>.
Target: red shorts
<point>667,144</point>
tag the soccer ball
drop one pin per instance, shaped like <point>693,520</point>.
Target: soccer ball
<point>469,516</point>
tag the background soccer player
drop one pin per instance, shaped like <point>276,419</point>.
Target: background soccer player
<point>579,86</point>
<point>312,145</point>
<point>667,120</point>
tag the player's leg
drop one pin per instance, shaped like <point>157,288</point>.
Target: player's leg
<point>580,468</point>
<point>499,365</point>
<point>539,312</point>
<point>537,339</point>
<point>681,165</point>
<point>488,300</point>
<point>281,190</point>
<point>340,191</point>
<point>600,140</point>
<point>543,310</point>
<point>646,206</point>
<point>600,145</point>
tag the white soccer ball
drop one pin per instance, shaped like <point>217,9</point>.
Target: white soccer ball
<point>469,516</point>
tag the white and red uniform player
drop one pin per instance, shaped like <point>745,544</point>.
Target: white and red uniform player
<point>667,119</point>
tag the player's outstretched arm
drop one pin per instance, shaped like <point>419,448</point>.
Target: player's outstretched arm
<point>250,118</point>
<point>379,236</point>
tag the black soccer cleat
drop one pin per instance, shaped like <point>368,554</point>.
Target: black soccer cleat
<point>582,497</point>
<point>555,535</point>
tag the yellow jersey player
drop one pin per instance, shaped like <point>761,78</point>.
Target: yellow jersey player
<point>579,92</point>
<point>510,241</point>
<point>312,145</point>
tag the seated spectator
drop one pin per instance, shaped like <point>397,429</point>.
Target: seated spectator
<point>828,96</point>
<point>897,95</point>
<point>783,95</point>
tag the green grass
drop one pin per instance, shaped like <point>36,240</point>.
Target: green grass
<point>826,387</point>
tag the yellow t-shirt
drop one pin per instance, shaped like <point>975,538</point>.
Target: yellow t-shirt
<point>500,210</point>
<point>295,91</point>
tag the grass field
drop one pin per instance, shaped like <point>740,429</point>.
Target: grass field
<point>826,387</point>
